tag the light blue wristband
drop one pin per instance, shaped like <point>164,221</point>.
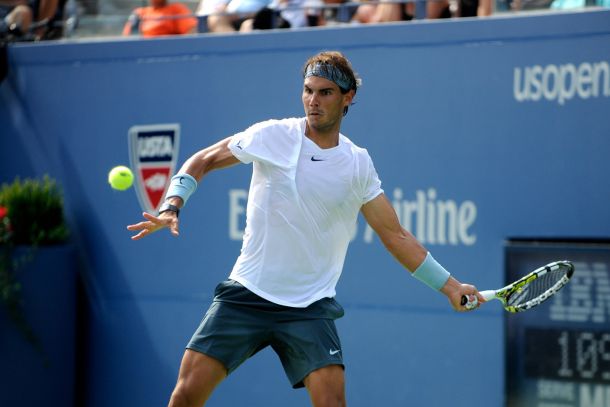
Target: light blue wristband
<point>182,185</point>
<point>431,273</point>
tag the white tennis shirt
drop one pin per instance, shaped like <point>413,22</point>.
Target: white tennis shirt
<point>302,210</point>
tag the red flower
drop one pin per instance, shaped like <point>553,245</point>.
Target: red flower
<point>3,212</point>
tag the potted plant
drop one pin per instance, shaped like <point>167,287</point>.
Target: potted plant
<point>31,215</point>
<point>37,294</point>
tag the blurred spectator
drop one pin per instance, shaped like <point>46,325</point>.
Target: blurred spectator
<point>572,4</point>
<point>383,11</point>
<point>527,5</point>
<point>248,15</point>
<point>393,11</point>
<point>337,12</point>
<point>286,14</point>
<point>161,18</point>
<point>302,13</point>
<point>22,19</point>
<point>209,9</point>
<point>65,12</point>
<point>264,19</point>
<point>475,8</point>
<point>228,15</point>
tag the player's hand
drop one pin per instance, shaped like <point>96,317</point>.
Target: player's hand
<point>153,223</point>
<point>454,290</point>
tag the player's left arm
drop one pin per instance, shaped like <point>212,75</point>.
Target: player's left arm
<point>381,216</point>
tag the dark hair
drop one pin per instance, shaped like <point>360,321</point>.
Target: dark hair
<point>337,60</point>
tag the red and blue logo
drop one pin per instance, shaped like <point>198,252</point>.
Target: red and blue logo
<point>153,151</point>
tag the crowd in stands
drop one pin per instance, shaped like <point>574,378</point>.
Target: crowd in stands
<point>247,15</point>
<point>43,19</point>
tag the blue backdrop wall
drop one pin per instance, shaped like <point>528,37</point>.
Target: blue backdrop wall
<point>481,130</point>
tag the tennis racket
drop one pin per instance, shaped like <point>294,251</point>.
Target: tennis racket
<point>530,290</point>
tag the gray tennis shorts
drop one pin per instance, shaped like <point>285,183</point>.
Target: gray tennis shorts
<point>239,323</point>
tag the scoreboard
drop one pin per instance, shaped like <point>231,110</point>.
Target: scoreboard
<point>558,354</point>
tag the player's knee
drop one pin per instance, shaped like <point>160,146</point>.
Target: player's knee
<point>327,387</point>
<point>329,399</point>
<point>183,396</point>
<point>336,401</point>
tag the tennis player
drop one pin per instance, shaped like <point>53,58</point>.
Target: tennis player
<point>308,185</point>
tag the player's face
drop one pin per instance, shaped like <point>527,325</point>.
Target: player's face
<point>324,103</point>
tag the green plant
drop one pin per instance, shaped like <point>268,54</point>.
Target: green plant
<point>31,213</point>
<point>35,210</point>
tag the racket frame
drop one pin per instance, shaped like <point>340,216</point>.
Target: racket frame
<point>503,293</point>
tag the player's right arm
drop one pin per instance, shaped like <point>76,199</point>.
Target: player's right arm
<point>211,158</point>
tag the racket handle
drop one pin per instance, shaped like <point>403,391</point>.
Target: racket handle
<point>466,303</point>
<point>487,295</point>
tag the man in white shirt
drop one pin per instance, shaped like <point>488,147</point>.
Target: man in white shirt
<point>309,183</point>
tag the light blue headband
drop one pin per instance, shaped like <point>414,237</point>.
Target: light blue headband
<point>331,73</point>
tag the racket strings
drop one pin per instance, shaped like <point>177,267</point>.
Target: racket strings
<point>537,287</point>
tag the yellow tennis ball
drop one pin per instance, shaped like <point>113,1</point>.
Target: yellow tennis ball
<point>120,177</point>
